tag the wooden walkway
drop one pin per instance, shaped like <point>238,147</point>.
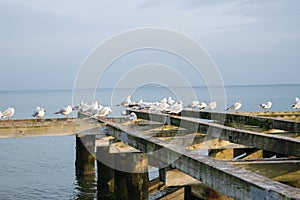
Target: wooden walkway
<point>240,163</point>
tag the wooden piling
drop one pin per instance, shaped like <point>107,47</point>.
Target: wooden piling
<point>105,182</point>
<point>85,159</point>
<point>134,183</point>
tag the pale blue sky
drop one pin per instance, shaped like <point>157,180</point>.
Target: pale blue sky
<point>44,42</point>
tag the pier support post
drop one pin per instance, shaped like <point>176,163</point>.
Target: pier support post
<point>187,192</point>
<point>85,159</point>
<point>162,172</point>
<point>134,183</point>
<point>105,161</point>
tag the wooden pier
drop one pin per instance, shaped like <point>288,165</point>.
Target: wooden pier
<point>46,127</point>
<point>198,155</point>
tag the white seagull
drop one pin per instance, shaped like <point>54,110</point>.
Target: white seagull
<point>132,116</point>
<point>170,101</point>
<point>237,105</point>
<point>102,113</point>
<point>176,108</point>
<point>8,113</point>
<point>193,104</point>
<point>266,106</point>
<point>126,103</point>
<point>39,112</point>
<point>212,105</point>
<point>65,111</point>
<point>202,106</point>
<point>296,105</point>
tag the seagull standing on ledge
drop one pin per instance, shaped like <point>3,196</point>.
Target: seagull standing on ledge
<point>65,111</point>
<point>8,113</point>
<point>212,105</point>
<point>125,103</point>
<point>296,105</point>
<point>102,113</point>
<point>132,117</point>
<point>266,106</point>
<point>39,112</point>
<point>193,104</point>
<point>237,105</point>
<point>202,106</point>
<point>176,108</point>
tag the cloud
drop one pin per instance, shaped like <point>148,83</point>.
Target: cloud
<point>68,30</point>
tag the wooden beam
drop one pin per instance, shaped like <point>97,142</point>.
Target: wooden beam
<point>225,178</point>
<point>274,143</point>
<point>168,193</point>
<point>246,118</point>
<point>47,127</point>
<point>277,169</point>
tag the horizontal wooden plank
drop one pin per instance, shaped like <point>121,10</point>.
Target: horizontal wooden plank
<point>232,181</point>
<point>246,118</point>
<point>273,143</point>
<point>276,169</point>
<point>47,127</point>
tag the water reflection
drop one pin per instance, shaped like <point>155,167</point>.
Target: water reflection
<point>85,187</point>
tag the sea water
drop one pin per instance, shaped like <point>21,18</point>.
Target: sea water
<point>44,167</point>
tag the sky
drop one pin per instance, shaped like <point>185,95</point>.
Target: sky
<point>43,43</point>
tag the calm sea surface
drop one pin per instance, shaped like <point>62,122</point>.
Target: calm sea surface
<point>44,167</point>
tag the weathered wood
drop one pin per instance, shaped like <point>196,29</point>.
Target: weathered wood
<point>47,127</point>
<point>203,191</point>
<point>131,176</point>
<point>105,182</point>
<point>276,169</point>
<point>274,143</point>
<point>246,118</point>
<point>167,193</point>
<point>85,157</point>
<point>175,177</point>
<point>232,181</point>
<point>294,115</point>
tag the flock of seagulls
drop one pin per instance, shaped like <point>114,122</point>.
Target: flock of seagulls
<point>94,110</point>
<point>168,105</point>
<point>165,105</point>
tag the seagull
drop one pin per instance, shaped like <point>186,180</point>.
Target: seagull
<point>8,113</point>
<point>170,101</point>
<point>39,112</point>
<point>237,105</point>
<point>193,104</point>
<point>123,112</point>
<point>103,112</point>
<point>78,106</point>
<point>132,117</point>
<point>202,106</point>
<point>176,108</point>
<point>93,107</point>
<point>125,103</point>
<point>296,105</point>
<point>65,111</point>
<point>266,106</point>
<point>163,106</point>
<point>212,105</point>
